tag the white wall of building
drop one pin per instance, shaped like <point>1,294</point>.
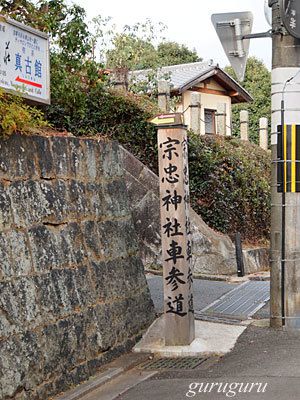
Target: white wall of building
<point>215,102</point>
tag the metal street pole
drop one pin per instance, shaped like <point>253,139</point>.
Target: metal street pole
<point>285,213</point>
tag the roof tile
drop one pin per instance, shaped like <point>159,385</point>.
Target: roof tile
<point>179,74</point>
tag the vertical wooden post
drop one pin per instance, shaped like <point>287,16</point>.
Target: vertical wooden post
<point>244,121</point>
<point>195,106</point>
<point>163,96</point>
<point>263,133</point>
<point>176,235</point>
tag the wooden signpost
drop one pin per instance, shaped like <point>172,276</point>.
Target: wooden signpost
<point>175,229</point>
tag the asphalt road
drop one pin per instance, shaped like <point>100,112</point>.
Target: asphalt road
<point>205,291</point>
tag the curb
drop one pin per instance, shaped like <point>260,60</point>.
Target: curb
<point>91,385</point>
<point>220,278</point>
<point>112,371</point>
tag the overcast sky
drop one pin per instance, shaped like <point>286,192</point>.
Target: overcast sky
<point>188,21</point>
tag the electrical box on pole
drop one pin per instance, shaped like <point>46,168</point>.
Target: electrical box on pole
<point>232,30</point>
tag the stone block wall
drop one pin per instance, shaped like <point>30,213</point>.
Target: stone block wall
<point>73,293</point>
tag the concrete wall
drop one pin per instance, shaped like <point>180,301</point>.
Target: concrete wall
<point>213,252</point>
<point>73,293</point>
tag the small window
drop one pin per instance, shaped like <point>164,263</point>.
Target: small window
<point>210,124</point>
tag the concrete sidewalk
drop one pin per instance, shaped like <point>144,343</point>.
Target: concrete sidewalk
<point>261,355</point>
<point>210,339</point>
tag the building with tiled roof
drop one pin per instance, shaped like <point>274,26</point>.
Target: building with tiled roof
<point>215,90</point>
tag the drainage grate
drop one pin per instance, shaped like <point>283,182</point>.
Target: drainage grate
<point>218,319</point>
<point>185,363</point>
<point>241,302</point>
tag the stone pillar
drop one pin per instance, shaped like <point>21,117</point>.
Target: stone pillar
<point>195,109</point>
<point>121,79</point>
<point>263,133</point>
<point>244,121</point>
<point>176,236</point>
<point>221,119</point>
<point>164,96</point>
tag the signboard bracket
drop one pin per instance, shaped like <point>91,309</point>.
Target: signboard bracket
<point>234,31</point>
<point>267,34</point>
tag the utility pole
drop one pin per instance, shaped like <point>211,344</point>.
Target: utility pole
<point>285,197</point>
<point>234,31</point>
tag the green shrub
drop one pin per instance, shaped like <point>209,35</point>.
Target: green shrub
<point>229,179</point>
<point>230,185</point>
<point>118,115</point>
<point>123,117</point>
<point>16,116</point>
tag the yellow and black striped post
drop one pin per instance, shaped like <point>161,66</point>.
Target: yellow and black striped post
<point>288,152</point>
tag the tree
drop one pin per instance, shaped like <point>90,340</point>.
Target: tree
<point>69,33</point>
<point>130,52</point>
<point>21,10</point>
<point>172,53</point>
<point>73,69</point>
<point>135,48</point>
<point>258,83</point>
